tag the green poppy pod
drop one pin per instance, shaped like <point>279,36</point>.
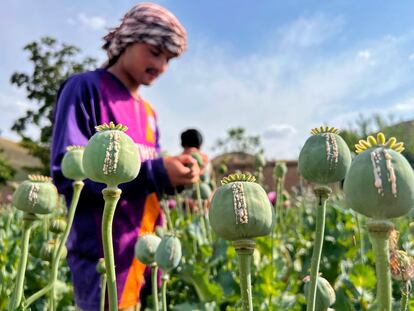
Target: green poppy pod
<point>38,195</point>
<point>168,253</point>
<point>325,157</point>
<point>259,160</point>
<point>380,181</point>
<point>280,170</point>
<point>111,157</point>
<point>46,253</point>
<point>197,156</point>
<point>240,209</point>
<point>325,294</point>
<point>205,191</point>
<point>58,225</point>
<point>145,248</point>
<point>100,266</point>
<point>223,169</point>
<point>72,167</point>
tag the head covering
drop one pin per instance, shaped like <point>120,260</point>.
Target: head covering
<point>146,23</point>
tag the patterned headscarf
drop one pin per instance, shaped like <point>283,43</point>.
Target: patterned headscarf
<point>147,23</point>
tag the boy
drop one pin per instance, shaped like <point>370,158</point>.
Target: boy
<point>138,52</point>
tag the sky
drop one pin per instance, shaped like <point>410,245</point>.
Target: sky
<point>275,68</point>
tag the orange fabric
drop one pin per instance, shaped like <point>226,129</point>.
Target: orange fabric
<point>149,131</point>
<point>135,279</point>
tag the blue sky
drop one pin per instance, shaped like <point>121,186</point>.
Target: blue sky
<point>276,68</point>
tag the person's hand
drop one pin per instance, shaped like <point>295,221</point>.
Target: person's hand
<point>182,169</point>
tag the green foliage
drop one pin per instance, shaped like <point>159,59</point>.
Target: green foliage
<point>37,272</point>
<point>207,277</point>
<point>6,171</point>
<point>238,141</point>
<point>52,64</point>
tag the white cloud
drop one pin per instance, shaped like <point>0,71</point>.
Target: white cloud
<point>411,57</point>
<point>214,91</point>
<point>365,54</point>
<point>92,22</point>
<point>405,105</point>
<point>308,31</point>
<point>279,131</point>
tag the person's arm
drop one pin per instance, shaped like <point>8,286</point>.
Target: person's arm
<point>76,115</point>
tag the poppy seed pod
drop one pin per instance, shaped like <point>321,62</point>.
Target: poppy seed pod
<point>205,191</point>
<point>145,248</point>
<point>196,156</point>
<point>72,167</point>
<point>280,170</point>
<point>325,157</point>
<point>259,160</point>
<point>38,195</point>
<point>58,225</point>
<point>223,169</point>
<point>380,181</point>
<point>325,294</point>
<point>47,251</point>
<point>100,266</point>
<point>240,209</point>
<point>168,253</point>
<point>111,157</point>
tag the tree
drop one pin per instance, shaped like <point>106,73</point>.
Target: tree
<point>6,171</point>
<point>52,63</point>
<point>238,141</point>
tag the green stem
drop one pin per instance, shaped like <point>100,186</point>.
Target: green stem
<point>103,291</point>
<point>245,250</point>
<point>111,197</point>
<point>405,295</point>
<point>165,279</point>
<point>361,238</point>
<point>53,263</point>
<point>77,188</point>
<point>166,210</point>
<point>379,231</point>
<point>18,290</point>
<point>154,283</point>
<point>322,193</point>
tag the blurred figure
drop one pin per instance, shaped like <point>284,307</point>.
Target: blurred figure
<point>191,141</point>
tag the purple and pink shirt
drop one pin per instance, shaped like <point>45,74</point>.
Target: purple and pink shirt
<point>84,101</point>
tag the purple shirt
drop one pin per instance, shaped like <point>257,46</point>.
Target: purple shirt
<point>84,101</point>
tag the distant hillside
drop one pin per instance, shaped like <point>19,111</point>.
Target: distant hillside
<point>18,157</point>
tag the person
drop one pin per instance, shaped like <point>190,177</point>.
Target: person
<point>191,141</point>
<point>138,50</point>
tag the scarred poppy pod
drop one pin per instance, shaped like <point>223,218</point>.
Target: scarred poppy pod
<point>380,181</point>
<point>111,157</point>
<point>240,209</point>
<point>325,294</point>
<point>205,191</point>
<point>145,248</point>
<point>325,157</point>
<point>72,167</point>
<point>168,253</point>
<point>38,195</point>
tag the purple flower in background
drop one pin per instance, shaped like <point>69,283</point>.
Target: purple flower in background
<point>272,197</point>
<point>171,203</point>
